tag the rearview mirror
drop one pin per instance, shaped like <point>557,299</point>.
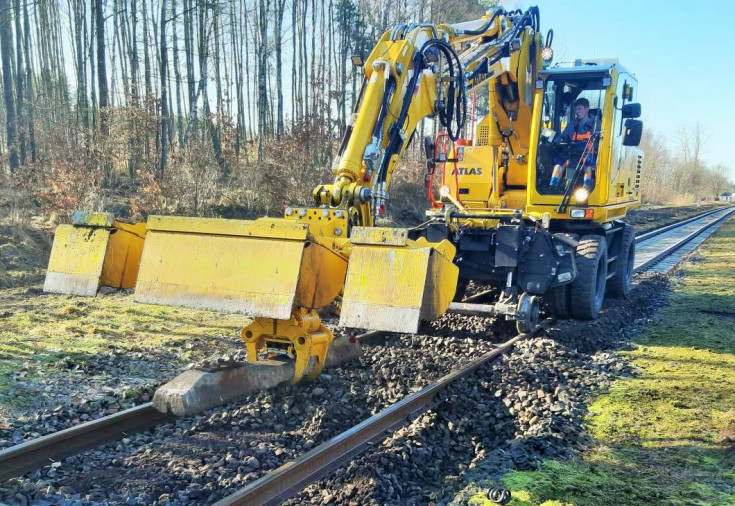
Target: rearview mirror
<point>632,110</point>
<point>633,132</point>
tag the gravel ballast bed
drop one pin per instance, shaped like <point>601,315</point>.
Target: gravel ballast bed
<point>528,405</point>
<point>185,461</point>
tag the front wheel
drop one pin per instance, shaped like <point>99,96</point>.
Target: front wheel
<point>588,290</point>
<point>621,284</point>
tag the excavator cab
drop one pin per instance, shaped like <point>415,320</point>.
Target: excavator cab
<point>597,173</point>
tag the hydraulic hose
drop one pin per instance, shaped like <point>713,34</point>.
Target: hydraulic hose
<point>455,110</point>
<point>452,117</point>
<point>486,27</point>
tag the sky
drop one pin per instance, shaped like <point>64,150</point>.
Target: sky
<point>682,52</point>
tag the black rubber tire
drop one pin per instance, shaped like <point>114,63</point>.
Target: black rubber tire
<point>588,290</point>
<point>620,285</point>
<point>557,301</point>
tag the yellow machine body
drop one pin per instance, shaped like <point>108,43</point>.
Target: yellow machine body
<point>262,268</point>
<point>471,176</point>
<point>96,250</point>
<point>281,270</point>
<point>302,336</point>
<point>394,283</point>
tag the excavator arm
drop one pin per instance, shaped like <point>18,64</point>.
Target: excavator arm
<point>403,84</point>
<point>420,71</point>
<point>282,270</point>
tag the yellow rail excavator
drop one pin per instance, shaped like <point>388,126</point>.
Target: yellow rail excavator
<point>529,202</point>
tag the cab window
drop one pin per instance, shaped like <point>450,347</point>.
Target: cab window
<point>557,121</point>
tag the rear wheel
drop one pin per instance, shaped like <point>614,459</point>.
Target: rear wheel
<point>621,284</point>
<point>588,290</point>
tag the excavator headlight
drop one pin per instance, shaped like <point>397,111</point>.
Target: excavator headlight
<point>547,53</point>
<point>444,191</point>
<point>357,60</point>
<point>581,195</point>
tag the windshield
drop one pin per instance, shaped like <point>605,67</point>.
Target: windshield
<point>570,128</point>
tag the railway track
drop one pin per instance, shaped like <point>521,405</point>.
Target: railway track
<point>290,478</point>
<point>675,241</point>
<point>280,484</point>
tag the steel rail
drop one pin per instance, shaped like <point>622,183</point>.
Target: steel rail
<point>23,457</point>
<point>291,477</point>
<point>661,230</point>
<point>671,249</point>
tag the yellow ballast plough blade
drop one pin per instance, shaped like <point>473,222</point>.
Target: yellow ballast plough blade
<point>394,283</point>
<point>96,250</point>
<point>261,268</point>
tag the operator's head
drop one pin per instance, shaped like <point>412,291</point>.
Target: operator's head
<point>581,108</point>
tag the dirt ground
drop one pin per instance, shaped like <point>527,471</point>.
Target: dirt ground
<point>648,217</point>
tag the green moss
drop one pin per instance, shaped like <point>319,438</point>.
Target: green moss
<point>665,436</point>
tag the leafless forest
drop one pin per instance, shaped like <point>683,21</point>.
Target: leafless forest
<point>229,108</point>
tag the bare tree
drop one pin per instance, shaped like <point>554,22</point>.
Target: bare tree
<point>29,81</point>
<point>262,53</point>
<point>6,54</point>
<point>164,90</point>
<point>99,11</point>
<point>280,6</point>
<point>19,85</point>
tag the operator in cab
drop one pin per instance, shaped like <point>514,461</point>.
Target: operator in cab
<point>580,132</point>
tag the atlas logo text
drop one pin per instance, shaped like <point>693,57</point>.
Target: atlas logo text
<point>467,171</point>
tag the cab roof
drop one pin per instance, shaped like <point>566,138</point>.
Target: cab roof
<point>596,66</point>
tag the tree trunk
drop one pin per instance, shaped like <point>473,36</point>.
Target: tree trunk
<point>305,57</point>
<point>262,77</point>
<point>101,65</point>
<point>312,81</point>
<point>189,51</point>
<point>19,87</point>
<point>148,77</point>
<point>236,43</point>
<point>177,74</point>
<point>278,34</point>
<point>82,105</point>
<point>89,38</point>
<point>294,94</point>
<point>29,82</point>
<point>164,90</point>
<point>6,54</point>
<point>248,74</point>
<point>134,61</point>
<point>120,36</point>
